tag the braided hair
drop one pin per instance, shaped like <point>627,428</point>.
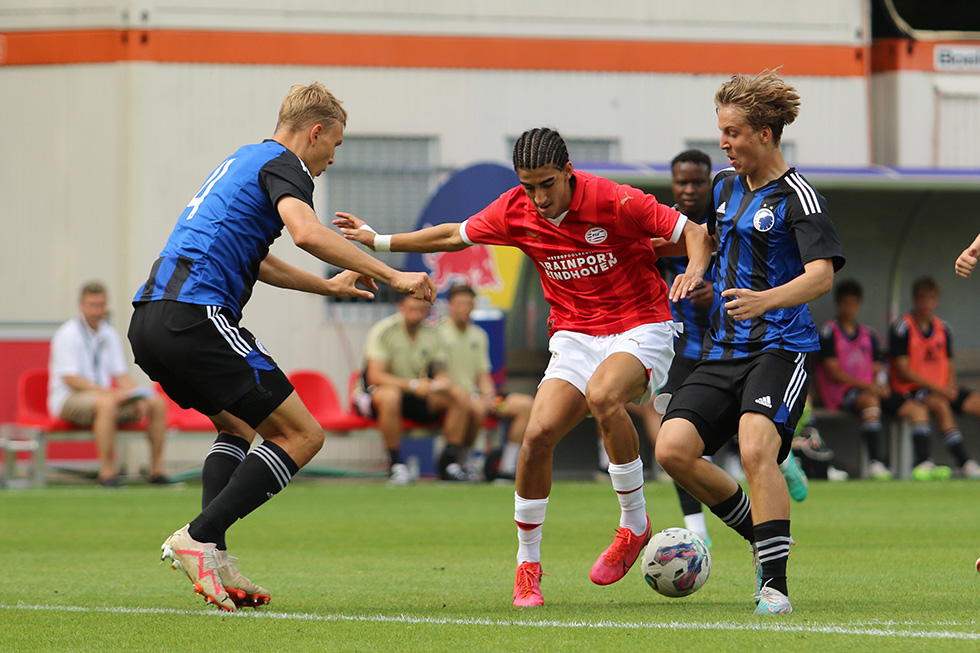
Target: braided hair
<point>540,147</point>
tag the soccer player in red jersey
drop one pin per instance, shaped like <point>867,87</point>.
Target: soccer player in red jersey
<point>611,328</point>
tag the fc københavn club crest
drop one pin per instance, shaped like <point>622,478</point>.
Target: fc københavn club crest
<point>763,220</point>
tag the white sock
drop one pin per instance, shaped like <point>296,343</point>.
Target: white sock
<point>627,480</point>
<point>508,459</point>
<point>529,515</point>
<point>697,524</point>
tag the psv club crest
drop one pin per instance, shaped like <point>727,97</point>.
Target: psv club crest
<point>595,235</point>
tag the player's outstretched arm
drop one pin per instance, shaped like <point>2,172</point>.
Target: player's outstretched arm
<point>329,246</point>
<point>966,261</point>
<point>817,279</point>
<point>276,272</point>
<point>698,245</point>
<point>439,238</point>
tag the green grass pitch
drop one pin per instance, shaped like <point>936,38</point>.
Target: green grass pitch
<point>359,566</point>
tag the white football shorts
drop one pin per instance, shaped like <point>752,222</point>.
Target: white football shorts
<point>576,356</point>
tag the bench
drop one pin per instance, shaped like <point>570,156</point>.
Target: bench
<point>900,452</point>
<point>33,429</point>
<point>320,396</point>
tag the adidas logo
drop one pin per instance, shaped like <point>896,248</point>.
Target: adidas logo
<point>764,401</point>
<point>721,208</point>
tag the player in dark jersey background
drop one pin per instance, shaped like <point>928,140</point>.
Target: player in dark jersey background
<point>690,181</point>
<point>185,332</point>
<point>777,250</point>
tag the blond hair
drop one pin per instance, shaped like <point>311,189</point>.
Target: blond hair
<point>308,105</point>
<point>763,100</point>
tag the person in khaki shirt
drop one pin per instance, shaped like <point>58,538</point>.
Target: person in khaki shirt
<point>468,365</point>
<point>405,377</point>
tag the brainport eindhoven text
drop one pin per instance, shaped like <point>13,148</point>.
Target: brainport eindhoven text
<point>574,266</point>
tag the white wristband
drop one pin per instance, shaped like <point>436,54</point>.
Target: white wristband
<point>413,385</point>
<point>367,227</point>
<point>382,243</point>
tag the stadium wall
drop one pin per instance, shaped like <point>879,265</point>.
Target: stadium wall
<point>117,111</point>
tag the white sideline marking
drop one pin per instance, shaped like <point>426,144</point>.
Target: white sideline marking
<point>879,629</point>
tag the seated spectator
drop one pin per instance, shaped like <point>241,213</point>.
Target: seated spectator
<point>851,377</point>
<point>468,365</point>
<point>89,385</point>
<point>405,377</point>
<point>921,347</point>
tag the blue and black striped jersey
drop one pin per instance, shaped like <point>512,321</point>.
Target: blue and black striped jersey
<point>213,255</point>
<point>765,237</point>
<point>696,320</point>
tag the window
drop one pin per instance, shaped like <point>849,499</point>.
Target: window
<point>385,180</point>
<point>956,130</point>
<point>591,150</point>
<point>720,160</point>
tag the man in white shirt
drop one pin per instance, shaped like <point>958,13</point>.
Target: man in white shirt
<point>89,385</point>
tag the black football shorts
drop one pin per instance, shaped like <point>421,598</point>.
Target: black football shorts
<point>204,360</point>
<point>717,392</point>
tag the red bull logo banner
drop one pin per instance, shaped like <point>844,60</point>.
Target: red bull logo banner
<point>475,266</point>
<point>491,271</point>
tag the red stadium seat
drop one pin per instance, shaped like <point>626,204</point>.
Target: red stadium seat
<point>184,419</point>
<point>32,405</point>
<point>318,393</point>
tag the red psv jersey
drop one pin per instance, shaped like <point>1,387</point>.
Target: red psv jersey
<point>596,261</point>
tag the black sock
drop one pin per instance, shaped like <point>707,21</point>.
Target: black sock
<point>394,457</point>
<point>263,473</point>
<point>689,505</point>
<point>449,455</point>
<point>871,430</point>
<point>736,512</point>
<point>954,442</point>
<point>772,540</point>
<point>920,442</point>
<point>226,454</point>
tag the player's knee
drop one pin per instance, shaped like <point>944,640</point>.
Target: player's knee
<point>671,454</point>
<point>313,438</point>
<point>540,440</point>
<point>756,454</point>
<point>602,401</point>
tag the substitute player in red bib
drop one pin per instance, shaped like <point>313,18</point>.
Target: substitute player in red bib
<point>611,328</point>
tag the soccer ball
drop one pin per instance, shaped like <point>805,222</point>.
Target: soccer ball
<point>676,562</point>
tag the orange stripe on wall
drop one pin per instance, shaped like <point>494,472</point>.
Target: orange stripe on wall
<point>407,51</point>
<point>892,55</point>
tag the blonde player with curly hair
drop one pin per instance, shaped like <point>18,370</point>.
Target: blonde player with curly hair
<point>777,250</point>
